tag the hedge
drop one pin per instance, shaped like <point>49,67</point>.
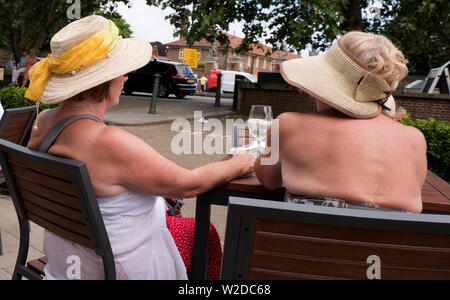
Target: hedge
<point>14,97</point>
<point>437,135</point>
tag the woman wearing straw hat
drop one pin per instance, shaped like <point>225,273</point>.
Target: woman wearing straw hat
<point>86,72</point>
<point>353,149</point>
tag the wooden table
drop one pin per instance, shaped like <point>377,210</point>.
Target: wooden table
<point>435,197</point>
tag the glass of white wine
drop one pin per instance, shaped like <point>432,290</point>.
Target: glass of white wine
<point>259,120</point>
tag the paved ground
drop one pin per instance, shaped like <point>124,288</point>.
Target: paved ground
<point>132,116</point>
<point>134,110</point>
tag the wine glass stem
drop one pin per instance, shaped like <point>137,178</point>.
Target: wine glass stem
<point>259,148</point>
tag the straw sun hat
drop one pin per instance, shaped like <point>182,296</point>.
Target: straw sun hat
<point>339,80</point>
<point>85,54</point>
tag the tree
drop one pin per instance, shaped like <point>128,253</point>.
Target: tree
<point>124,28</point>
<point>30,24</point>
<point>299,23</point>
<point>420,27</point>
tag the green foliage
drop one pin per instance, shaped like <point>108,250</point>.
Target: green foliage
<point>419,27</point>
<point>14,97</point>
<point>437,135</point>
<point>124,28</point>
<point>28,24</point>
<point>294,21</point>
<point>201,64</point>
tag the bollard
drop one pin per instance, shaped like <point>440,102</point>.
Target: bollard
<point>236,93</point>
<point>218,89</point>
<point>154,94</point>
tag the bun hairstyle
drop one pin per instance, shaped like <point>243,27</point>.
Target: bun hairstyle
<point>380,57</point>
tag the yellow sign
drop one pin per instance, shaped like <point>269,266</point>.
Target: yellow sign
<point>2,71</point>
<point>190,57</point>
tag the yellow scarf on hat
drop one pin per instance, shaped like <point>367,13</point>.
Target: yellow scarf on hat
<point>77,58</point>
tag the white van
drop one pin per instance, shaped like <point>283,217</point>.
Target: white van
<point>228,78</point>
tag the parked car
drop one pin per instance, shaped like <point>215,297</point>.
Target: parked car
<point>176,78</point>
<point>228,79</point>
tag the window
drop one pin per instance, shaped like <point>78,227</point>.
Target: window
<point>264,64</point>
<point>160,67</point>
<point>257,62</point>
<point>184,70</point>
<point>181,54</point>
<point>243,78</point>
<point>249,62</point>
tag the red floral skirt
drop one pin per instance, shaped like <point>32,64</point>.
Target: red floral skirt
<point>183,231</point>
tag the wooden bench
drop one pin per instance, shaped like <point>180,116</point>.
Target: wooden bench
<point>57,194</point>
<point>15,125</point>
<point>275,240</point>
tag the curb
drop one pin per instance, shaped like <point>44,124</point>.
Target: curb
<point>160,122</point>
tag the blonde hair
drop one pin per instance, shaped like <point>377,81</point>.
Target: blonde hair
<point>380,57</point>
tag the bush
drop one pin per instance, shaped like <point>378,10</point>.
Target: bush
<point>437,135</point>
<point>14,97</point>
<point>201,65</point>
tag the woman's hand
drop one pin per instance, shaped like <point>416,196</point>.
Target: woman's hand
<point>245,160</point>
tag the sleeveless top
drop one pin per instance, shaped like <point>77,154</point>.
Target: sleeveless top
<point>142,246</point>
<point>337,203</point>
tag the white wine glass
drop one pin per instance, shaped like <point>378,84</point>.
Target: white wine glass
<point>259,120</point>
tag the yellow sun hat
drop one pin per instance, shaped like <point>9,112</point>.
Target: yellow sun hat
<point>85,54</point>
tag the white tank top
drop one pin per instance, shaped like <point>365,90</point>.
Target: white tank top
<point>142,246</point>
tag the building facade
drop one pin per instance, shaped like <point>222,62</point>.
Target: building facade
<point>252,62</point>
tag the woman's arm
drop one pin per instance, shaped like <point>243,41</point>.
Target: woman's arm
<point>270,174</point>
<point>139,166</point>
<point>31,61</point>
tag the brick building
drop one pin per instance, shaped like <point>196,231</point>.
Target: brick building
<point>252,62</point>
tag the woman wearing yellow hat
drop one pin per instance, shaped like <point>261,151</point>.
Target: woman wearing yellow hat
<point>86,71</point>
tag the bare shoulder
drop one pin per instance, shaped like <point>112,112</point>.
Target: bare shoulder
<point>117,139</point>
<point>289,116</point>
<point>414,135</point>
<point>288,119</point>
<point>46,114</point>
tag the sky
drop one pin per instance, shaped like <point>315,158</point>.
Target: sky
<point>149,23</point>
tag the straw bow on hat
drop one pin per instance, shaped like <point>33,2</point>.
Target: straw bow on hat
<point>339,80</point>
<point>85,54</point>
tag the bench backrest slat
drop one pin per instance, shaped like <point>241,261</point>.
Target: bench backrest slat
<point>15,123</point>
<point>273,240</point>
<point>57,194</point>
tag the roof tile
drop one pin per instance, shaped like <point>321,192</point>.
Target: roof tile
<point>235,41</point>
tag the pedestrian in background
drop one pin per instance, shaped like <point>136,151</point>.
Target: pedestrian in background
<point>203,81</point>
<point>20,68</point>
<point>32,59</point>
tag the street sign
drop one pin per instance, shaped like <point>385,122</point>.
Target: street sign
<point>190,57</point>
